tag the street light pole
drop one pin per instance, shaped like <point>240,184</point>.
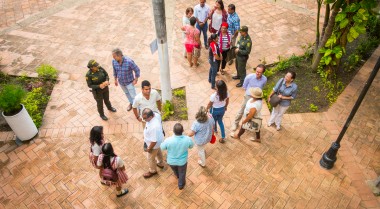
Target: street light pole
<point>328,159</point>
<point>163,55</point>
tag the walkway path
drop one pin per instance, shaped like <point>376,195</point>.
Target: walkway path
<point>53,171</point>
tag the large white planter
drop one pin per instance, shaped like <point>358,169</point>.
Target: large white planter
<point>22,124</point>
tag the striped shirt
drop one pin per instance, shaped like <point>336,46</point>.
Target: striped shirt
<point>233,21</point>
<point>124,72</point>
<point>225,41</point>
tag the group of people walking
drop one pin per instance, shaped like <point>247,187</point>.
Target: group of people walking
<point>224,28</point>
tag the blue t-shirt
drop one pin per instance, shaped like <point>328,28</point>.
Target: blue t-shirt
<point>203,131</point>
<point>177,147</point>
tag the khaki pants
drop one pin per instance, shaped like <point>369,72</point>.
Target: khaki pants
<point>239,115</point>
<point>155,153</point>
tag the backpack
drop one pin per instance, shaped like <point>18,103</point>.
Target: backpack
<point>109,174</point>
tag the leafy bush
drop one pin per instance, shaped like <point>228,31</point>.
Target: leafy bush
<point>179,93</point>
<point>33,102</point>
<point>11,96</point>
<point>313,108</point>
<point>284,64</point>
<point>167,110</point>
<point>47,72</point>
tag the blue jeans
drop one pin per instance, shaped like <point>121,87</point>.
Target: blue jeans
<point>130,91</point>
<point>204,31</point>
<point>180,173</point>
<point>217,114</point>
<point>214,66</point>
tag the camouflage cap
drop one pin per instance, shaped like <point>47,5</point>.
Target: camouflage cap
<point>243,29</point>
<point>92,63</point>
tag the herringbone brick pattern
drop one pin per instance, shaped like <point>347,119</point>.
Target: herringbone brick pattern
<point>53,171</point>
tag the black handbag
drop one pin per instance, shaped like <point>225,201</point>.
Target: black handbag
<point>274,99</point>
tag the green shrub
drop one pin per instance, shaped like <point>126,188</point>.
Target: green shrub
<point>11,96</point>
<point>316,88</point>
<point>167,110</point>
<point>313,108</point>
<point>34,102</point>
<point>179,93</point>
<point>47,72</point>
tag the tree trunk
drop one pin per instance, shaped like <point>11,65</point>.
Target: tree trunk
<point>317,34</point>
<point>328,32</point>
<point>327,16</point>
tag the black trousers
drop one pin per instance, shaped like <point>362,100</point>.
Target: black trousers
<point>224,54</point>
<point>100,96</point>
<point>180,173</point>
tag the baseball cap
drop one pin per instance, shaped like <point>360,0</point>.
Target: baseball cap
<point>92,63</point>
<point>243,29</point>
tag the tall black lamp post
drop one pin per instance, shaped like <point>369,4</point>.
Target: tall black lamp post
<point>328,158</point>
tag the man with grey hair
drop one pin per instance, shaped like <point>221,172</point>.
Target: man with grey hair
<point>126,74</point>
<point>153,137</point>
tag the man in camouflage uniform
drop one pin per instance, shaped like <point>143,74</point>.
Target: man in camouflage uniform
<point>98,80</point>
<point>242,51</point>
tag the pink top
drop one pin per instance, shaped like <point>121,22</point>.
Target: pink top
<point>191,32</point>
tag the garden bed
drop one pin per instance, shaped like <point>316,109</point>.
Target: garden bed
<point>37,97</point>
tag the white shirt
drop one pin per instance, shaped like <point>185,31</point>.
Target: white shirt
<point>201,12</point>
<point>96,149</point>
<point>216,21</point>
<point>153,131</point>
<point>257,104</point>
<point>140,102</point>
<point>216,103</point>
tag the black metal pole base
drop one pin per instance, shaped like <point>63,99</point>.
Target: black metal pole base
<point>328,158</point>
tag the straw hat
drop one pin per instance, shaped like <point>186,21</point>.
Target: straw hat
<point>256,92</point>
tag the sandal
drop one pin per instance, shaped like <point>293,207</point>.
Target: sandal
<point>123,192</point>
<point>149,174</point>
<point>221,140</point>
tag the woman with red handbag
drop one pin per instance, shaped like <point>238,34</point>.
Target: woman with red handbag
<point>202,130</point>
<point>112,169</point>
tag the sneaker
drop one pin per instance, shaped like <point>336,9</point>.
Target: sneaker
<point>270,124</point>
<point>278,128</point>
<point>234,127</point>
<point>129,107</point>
<point>200,163</point>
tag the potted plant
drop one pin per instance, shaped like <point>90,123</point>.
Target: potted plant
<point>15,113</point>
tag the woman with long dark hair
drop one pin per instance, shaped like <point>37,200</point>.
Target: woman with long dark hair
<point>213,58</point>
<point>96,141</point>
<point>218,106</point>
<point>217,16</point>
<point>109,160</point>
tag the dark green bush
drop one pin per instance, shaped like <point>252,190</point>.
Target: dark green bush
<point>11,96</point>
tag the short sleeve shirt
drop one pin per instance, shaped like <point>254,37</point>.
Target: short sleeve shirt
<point>96,149</point>
<point>216,103</point>
<point>153,131</point>
<point>191,32</point>
<point>203,131</point>
<point>257,104</point>
<point>140,102</point>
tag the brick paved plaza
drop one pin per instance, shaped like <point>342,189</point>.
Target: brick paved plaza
<point>53,170</point>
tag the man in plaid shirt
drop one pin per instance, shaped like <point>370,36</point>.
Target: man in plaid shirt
<point>126,74</point>
<point>233,25</point>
